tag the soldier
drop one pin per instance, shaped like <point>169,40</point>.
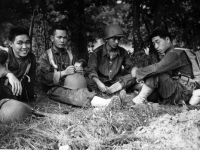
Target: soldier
<point>105,64</point>
<point>18,77</point>
<point>170,77</point>
<point>61,71</point>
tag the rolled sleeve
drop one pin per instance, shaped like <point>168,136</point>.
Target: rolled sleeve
<point>91,75</point>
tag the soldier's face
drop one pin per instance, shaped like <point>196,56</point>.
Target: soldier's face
<point>59,39</point>
<point>161,44</point>
<point>21,45</point>
<point>113,42</point>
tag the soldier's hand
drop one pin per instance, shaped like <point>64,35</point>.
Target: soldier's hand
<point>133,71</point>
<point>15,83</point>
<point>102,87</point>
<point>70,70</point>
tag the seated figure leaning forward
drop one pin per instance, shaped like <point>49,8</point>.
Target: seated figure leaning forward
<point>105,63</point>
<point>170,77</point>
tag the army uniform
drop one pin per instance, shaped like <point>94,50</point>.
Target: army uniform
<point>53,81</point>
<point>170,77</point>
<point>109,70</point>
<point>19,69</point>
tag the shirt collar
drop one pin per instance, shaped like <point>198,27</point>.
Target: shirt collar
<point>105,51</point>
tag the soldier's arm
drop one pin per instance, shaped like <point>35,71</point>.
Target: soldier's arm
<point>92,66</point>
<point>169,62</point>
<point>46,71</point>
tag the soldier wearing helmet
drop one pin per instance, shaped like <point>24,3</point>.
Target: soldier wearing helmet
<point>61,71</point>
<point>105,63</point>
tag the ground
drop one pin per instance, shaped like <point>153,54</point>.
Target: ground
<point>144,127</point>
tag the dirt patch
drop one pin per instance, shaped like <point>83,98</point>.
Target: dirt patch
<point>171,132</point>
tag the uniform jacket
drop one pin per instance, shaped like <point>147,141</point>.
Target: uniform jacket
<point>62,60</point>
<point>101,66</point>
<point>19,68</point>
<point>174,62</point>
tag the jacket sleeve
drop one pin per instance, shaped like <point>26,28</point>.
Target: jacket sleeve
<point>169,62</point>
<point>92,65</point>
<point>46,71</point>
<point>3,71</point>
<point>32,76</point>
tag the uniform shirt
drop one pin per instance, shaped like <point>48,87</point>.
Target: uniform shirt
<point>18,68</point>
<point>62,60</point>
<point>108,66</point>
<point>174,62</point>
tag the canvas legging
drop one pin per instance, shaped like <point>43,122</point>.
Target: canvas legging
<point>170,90</point>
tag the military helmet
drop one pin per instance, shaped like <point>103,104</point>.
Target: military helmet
<point>75,81</point>
<point>13,111</point>
<point>113,30</point>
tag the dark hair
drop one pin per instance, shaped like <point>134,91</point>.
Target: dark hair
<point>57,27</point>
<point>3,57</point>
<point>162,33</point>
<point>15,31</point>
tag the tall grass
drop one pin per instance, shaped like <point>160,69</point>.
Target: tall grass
<point>81,128</point>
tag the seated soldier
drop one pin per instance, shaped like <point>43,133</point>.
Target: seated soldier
<point>18,77</point>
<point>61,71</point>
<point>170,77</point>
<point>105,64</point>
<point>11,110</point>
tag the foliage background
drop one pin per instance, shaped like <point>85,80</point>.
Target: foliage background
<point>86,19</point>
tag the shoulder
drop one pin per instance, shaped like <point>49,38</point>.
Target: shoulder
<point>173,54</point>
<point>179,51</point>
<point>98,49</point>
<point>122,49</point>
<point>44,55</point>
<point>97,52</point>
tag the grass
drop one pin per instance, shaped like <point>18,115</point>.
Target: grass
<point>79,128</point>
